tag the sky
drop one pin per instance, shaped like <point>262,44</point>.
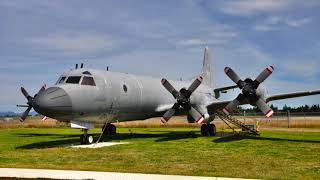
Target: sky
<point>41,39</point>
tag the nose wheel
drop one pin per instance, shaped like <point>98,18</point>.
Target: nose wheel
<point>86,138</point>
<point>208,130</point>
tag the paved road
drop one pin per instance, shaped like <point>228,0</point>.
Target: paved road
<point>66,174</point>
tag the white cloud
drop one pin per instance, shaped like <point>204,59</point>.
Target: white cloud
<point>302,69</point>
<point>275,23</point>
<point>255,7</point>
<point>298,22</point>
<point>249,7</point>
<point>75,42</point>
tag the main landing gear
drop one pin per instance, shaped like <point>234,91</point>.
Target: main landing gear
<point>208,129</point>
<point>86,138</point>
<point>109,129</point>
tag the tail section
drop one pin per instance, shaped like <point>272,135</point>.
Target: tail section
<point>207,68</point>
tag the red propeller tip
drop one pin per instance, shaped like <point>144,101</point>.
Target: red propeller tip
<point>200,120</point>
<point>226,70</point>
<point>163,81</point>
<point>225,110</point>
<point>200,78</point>
<point>269,113</point>
<point>270,69</point>
<point>163,120</point>
<point>21,120</point>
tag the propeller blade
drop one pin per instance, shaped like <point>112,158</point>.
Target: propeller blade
<point>233,104</point>
<point>264,75</point>
<point>25,93</point>
<point>196,115</point>
<point>165,118</point>
<point>234,77</point>
<point>262,105</point>
<point>25,114</point>
<point>169,87</point>
<point>195,84</point>
<point>42,88</point>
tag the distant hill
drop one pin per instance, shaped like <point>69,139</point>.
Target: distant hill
<point>11,114</point>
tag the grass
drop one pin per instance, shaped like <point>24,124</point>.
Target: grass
<point>182,151</point>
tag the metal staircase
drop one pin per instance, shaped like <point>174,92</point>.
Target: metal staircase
<point>229,119</point>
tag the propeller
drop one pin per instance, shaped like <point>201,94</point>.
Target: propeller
<point>249,91</point>
<point>30,101</point>
<point>183,100</point>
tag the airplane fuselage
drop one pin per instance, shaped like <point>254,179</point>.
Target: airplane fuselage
<point>113,97</point>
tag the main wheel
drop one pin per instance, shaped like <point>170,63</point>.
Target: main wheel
<point>212,129</point>
<point>109,129</point>
<point>204,130</point>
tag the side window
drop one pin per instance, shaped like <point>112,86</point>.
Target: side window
<point>88,81</point>
<point>73,79</point>
<point>125,88</point>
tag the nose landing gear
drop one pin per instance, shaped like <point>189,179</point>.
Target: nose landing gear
<point>86,138</point>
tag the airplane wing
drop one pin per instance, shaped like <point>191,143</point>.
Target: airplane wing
<point>221,104</point>
<point>291,95</point>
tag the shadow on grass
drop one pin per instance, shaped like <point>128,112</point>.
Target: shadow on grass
<point>238,137</point>
<point>75,139</point>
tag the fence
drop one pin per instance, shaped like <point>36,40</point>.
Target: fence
<point>282,119</point>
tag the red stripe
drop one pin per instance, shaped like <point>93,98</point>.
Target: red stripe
<point>199,119</point>
<point>226,70</point>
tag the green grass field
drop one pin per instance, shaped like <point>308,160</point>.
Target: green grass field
<point>181,151</point>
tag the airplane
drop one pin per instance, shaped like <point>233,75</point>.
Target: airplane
<point>84,97</point>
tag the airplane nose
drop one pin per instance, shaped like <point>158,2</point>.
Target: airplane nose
<point>53,102</point>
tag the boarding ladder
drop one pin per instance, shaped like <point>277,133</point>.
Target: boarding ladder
<point>229,119</point>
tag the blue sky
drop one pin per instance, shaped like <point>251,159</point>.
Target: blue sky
<point>41,39</point>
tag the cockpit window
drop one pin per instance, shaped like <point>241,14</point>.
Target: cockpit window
<point>62,80</point>
<point>88,81</point>
<point>73,79</point>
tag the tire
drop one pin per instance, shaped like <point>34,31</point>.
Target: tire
<point>204,130</point>
<point>212,129</point>
<point>89,139</point>
<point>82,139</point>
<point>112,130</point>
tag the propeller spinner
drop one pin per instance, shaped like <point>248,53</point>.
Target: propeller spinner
<point>249,91</point>
<point>183,100</point>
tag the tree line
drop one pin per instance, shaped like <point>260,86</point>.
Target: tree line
<point>285,108</point>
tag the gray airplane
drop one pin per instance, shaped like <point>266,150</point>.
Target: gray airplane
<point>85,97</point>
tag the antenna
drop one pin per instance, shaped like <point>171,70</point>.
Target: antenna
<point>81,65</point>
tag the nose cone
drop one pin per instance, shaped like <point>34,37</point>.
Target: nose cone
<point>53,102</point>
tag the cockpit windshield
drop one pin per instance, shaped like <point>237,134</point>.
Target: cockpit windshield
<point>87,80</point>
<point>73,79</point>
